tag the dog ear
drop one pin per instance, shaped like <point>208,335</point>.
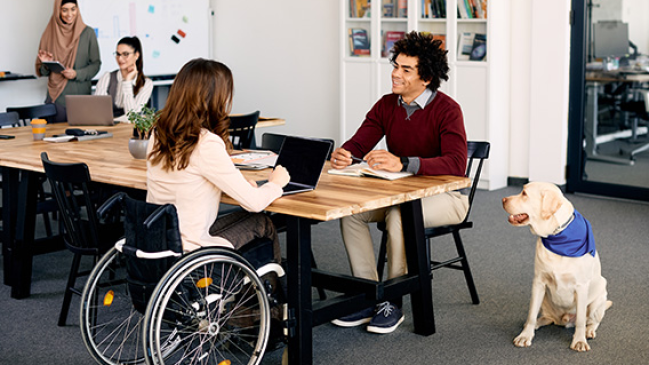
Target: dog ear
<point>550,203</point>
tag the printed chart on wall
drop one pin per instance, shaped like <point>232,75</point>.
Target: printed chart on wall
<point>172,32</point>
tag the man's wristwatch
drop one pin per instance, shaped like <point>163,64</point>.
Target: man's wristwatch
<point>404,163</point>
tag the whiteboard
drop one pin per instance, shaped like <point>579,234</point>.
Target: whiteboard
<point>172,32</point>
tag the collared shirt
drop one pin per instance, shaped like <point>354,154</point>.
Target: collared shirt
<point>420,102</point>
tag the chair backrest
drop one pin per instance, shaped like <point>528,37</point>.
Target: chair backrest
<point>27,113</point>
<point>476,151</point>
<point>9,119</point>
<point>273,142</point>
<point>69,183</point>
<point>242,129</point>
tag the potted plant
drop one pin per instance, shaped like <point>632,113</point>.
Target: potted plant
<point>143,122</point>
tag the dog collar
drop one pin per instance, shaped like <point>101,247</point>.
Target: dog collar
<point>575,240</point>
<point>564,225</point>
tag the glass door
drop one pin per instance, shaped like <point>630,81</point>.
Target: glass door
<point>608,143</point>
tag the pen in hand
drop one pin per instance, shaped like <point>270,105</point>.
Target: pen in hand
<point>354,158</point>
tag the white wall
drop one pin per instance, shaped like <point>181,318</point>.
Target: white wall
<point>22,24</point>
<point>285,58</point>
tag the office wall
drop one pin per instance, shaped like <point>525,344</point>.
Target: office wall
<point>22,24</point>
<point>285,61</point>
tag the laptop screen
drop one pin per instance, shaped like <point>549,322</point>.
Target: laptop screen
<point>304,158</point>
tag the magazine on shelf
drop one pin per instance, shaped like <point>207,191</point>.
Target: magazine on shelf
<point>390,38</point>
<point>479,48</point>
<point>465,46</point>
<point>359,42</point>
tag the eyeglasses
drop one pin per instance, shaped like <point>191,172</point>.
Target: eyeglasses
<point>125,54</point>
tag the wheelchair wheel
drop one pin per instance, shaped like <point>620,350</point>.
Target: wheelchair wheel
<point>210,308</point>
<point>111,328</point>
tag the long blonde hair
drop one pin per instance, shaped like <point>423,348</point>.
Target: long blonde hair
<point>200,97</point>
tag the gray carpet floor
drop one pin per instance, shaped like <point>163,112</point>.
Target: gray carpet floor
<point>502,261</point>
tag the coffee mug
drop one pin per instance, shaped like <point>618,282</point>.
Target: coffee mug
<point>38,128</point>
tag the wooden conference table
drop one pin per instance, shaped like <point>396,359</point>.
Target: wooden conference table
<point>336,197</point>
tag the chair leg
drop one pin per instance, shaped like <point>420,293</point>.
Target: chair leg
<point>465,268</point>
<point>380,262</point>
<point>67,297</point>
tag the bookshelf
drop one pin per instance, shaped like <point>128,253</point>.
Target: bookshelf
<point>364,79</point>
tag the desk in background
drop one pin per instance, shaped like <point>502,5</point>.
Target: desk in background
<point>336,196</point>
<point>594,81</point>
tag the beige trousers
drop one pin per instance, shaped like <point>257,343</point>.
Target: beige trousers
<point>438,210</point>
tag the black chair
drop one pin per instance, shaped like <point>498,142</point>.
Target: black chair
<point>242,130</point>
<point>476,151</point>
<point>84,235</point>
<point>27,113</point>
<point>9,119</point>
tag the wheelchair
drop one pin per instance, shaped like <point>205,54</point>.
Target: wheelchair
<point>147,302</point>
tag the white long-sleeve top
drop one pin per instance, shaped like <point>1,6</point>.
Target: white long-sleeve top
<point>125,98</point>
<point>196,190</point>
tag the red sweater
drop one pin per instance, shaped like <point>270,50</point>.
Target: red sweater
<point>435,134</point>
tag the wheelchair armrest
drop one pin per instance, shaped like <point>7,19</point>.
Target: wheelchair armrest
<point>108,205</point>
<point>135,252</point>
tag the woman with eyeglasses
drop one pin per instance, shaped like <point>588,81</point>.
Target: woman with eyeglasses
<point>68,40</point>
<point>128,86</point>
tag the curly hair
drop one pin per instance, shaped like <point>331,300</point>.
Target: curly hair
<point>432,62</point>
<point>200,97</point>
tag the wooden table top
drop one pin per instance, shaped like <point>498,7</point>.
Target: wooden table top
<point>110,162</point>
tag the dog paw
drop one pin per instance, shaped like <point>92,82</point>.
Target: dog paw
<point>591,333</point>
<point>580,345</point>
<point>523,340</point>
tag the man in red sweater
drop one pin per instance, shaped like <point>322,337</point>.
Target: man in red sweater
<point>424,133</point>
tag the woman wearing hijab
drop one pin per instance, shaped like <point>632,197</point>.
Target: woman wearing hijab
<point>127,85</point>
<point>68,40</point>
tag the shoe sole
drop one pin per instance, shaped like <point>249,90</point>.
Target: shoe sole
<point>359,322</point>
<point>383,330</point>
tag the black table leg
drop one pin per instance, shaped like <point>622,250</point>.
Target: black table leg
<point>298,247</point>
<point>21,256</point>
<point>418,264</point>
<point>9,204</point>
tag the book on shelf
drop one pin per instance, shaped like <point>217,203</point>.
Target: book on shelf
<point>359,42</point>
<point>388,8</point>
<point>402,8</point>
<point>479,48</point>
<point>464,9</point>
<point>441,37</point>
<point>362,169</point>
<point>433,8</point>
<point>465,46</point>
<point>359,8</point>
<point>389,39</point>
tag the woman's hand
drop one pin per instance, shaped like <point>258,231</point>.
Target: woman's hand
<point>69,73</point>
<point>279,176</point>
<point>341,158</point>
<point>252,182</point>
<point>45,56</point>
<point>129,73</point>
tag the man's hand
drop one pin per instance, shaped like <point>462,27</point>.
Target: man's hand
<point>383,160</point>
<point>341,158</point>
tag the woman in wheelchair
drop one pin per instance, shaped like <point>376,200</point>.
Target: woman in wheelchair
<point>189,166</point>
<point>156,298</point>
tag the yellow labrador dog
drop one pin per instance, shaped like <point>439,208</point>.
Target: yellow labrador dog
<point>568,286</point>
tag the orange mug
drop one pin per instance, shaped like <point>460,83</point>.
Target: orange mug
<point>38,128</point>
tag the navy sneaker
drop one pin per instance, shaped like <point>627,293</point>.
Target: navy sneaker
<point>355,319</point>
<point>386,319</point>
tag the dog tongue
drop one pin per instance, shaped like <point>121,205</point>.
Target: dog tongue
<point>518,218</point>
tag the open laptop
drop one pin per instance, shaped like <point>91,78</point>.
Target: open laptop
<point>304,158</point>
<point>89,110</point>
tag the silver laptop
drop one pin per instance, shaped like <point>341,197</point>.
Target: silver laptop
<point>89,110</point>
<point>304,159</point>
